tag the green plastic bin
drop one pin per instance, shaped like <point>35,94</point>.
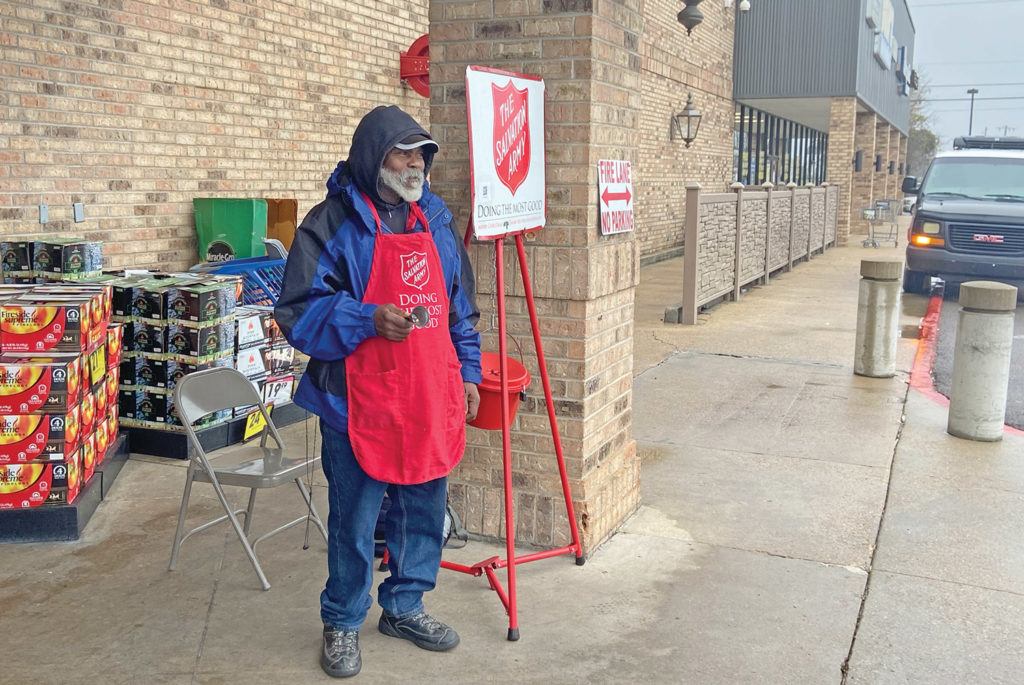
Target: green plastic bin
<point>230,228</point>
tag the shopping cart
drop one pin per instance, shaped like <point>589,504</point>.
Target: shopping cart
<point>881,220</point>
<point>261,277</point>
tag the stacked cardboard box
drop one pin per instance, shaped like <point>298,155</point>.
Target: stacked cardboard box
<point>56,418</point>
<point>174,324</point>
<point>30,259</point>
<point>263,354</point>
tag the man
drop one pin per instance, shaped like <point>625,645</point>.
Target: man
<point>393,396</point>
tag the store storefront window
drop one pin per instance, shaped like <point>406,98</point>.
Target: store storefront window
<point>769,148</point>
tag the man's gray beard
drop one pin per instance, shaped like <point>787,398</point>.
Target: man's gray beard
<point>397,181</point>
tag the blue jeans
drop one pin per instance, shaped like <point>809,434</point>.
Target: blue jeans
<point>413,529</point>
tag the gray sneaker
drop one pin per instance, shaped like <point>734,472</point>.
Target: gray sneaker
<point>422,630</point>
<point>340,657</point>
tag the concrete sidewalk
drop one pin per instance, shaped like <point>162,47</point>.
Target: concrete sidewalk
<point>799,524</point>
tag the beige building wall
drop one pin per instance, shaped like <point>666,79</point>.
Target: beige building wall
<point>134,109</point>
<point>674,64</point>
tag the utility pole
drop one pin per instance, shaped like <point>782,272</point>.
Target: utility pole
<point>970,125</point>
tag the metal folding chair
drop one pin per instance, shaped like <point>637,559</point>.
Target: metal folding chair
<point>254,466</point>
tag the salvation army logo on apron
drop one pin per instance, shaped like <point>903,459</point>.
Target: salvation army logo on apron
<point>415,272</point>
<point>511,135</point>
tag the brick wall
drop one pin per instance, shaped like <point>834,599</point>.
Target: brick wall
<point>892,181</point>
<point>675,64</point>
<point>880,184</point>
<point>135,107</point>
<point>582,282</point>
<point>863,181</point>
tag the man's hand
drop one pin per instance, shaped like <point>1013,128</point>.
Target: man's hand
<point>391,323</point>
<point>472,401</point>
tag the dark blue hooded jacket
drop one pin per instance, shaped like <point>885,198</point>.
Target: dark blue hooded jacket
<point>320,309</point>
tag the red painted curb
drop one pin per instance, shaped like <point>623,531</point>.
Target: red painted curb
<point>921,373</point>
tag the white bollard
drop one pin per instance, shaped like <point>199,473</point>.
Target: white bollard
<point>981,361</point>
<point>878,318</point>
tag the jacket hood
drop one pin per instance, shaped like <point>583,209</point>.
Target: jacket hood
<point>374,137</point>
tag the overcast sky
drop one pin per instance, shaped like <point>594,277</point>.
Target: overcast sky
<point>963,44</point>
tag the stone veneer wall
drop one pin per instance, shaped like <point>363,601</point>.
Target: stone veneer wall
<point>797,222</point>
<point>817,222</point>
<point>755,232</point>
<point>717,246</point>
<point>135,108</point>
<point>801,221</point>
<point>832,216</point>
<point>782,215</point>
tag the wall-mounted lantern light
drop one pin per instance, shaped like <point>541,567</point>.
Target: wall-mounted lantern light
<point>901,168</point>
<point>878,162</point>
<point>744,5</point>
<point>690,16</point>
<point>858,160</point>
<point>892,168</point>
<point>685,124</point>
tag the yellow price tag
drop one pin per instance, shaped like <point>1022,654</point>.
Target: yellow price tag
<point>254,423</point>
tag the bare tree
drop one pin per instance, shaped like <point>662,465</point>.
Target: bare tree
<point>922,142</point>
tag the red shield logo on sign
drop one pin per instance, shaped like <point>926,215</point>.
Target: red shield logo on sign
<point>511,135</point>
<point>414,269</point>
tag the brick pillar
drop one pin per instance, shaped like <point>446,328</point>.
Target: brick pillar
<point>892,183</point>
<point>583,283</point>
<point>903,155</point>
<point>881,149</point>
<point>903,161</point>
<point>842,129</point>
<point>863,181</point>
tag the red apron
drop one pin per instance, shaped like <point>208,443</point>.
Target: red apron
<point>406,400</point>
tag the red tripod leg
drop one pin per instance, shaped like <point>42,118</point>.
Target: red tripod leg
<point>535,327</point>
<point>506,440</point>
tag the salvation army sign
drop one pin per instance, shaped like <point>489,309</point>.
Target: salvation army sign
<point>511,135</point>
<point>506,151</point>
